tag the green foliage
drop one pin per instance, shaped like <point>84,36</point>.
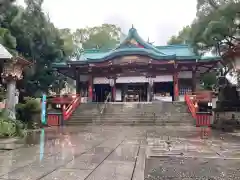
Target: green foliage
<point>104,36</point>
<point>2,93</point>
<point>26,112</point>
<point>209,80</point>
<point>29,32</point>
<point>9,127</point>
<point>183,37</point>
<point>213,29</point>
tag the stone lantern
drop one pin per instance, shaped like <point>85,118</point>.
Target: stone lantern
<point>12,71</point>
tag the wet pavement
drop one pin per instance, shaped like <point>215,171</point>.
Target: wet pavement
<point>123,153</point>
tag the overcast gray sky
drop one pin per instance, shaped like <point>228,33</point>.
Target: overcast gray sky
<point>156,19</point>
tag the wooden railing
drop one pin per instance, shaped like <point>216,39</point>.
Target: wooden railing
<point>67,111</point>
<point>201,118</point>
<point>203,96</point>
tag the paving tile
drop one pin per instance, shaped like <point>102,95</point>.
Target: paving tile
<point>113,170</point>
<point>67,174</point>
<point>124,152</point>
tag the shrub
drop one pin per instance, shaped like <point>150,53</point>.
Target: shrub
<point>2,93</point>
<point>29,112</point>
<point>10,127</point>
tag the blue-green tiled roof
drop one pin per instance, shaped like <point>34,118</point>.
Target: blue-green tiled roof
<point>140,47</point>
<point>178,50</point>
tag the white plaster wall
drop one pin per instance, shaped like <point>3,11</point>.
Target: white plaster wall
<point>84,78</point>
<point>133,79</point>
<point>163,78</point>
<point>100,80</point>
<point>185,74</point>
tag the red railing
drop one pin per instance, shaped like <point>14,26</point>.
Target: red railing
<point>202,118</point>
<point>67,112</point>
<point>192,104</point>
<point>61,99</point>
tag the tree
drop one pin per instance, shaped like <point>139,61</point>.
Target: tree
<point>7,40</point>
<point>215,28</point>
<point>104,36</point>
<point>68,41</point>
<point>39,41</point>
<point>183,37</point>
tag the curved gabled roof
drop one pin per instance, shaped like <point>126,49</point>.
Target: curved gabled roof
<point>133,34</point>
<point>131,51</point>
<point>133,44</point>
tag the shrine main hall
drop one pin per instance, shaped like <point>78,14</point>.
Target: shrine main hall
<point>136,70</point>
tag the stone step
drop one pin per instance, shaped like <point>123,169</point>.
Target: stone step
<point>130,120</point>
<point>128,123</point>
<point>132,114</point>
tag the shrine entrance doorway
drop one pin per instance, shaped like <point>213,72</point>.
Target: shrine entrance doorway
<point>101,92</point>
<point>136,92</point>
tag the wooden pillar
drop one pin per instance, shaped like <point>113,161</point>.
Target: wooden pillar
<point>175,86</point>
<point>77,77</point>
<point>150,89</point>
<point>112,83</point>
<point>113,90</point>
<point>194,80</point>
<point>90,88</point>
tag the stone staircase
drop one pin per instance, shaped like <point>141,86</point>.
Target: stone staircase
<point>86,113</point>
<point>155,113</point>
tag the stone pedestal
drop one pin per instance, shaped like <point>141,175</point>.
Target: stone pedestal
<point>11,99</point>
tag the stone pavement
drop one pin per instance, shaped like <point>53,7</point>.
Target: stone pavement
<point>122,153</point>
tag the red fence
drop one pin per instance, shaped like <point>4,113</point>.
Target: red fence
<point>53,119</point>
<point>202,118</point>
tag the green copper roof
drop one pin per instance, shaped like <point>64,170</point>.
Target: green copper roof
<point>133,44</point>
<point>133,35</point>
<point>178,50</point>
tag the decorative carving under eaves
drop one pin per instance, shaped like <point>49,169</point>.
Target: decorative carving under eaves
<point>12,70</point>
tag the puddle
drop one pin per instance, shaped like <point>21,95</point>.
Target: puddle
<point>10,146</point>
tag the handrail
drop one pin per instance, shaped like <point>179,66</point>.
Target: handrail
<point>105,102</point>
<point>191,103</point>
<point>67,112</point>
<point>204,95</point>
